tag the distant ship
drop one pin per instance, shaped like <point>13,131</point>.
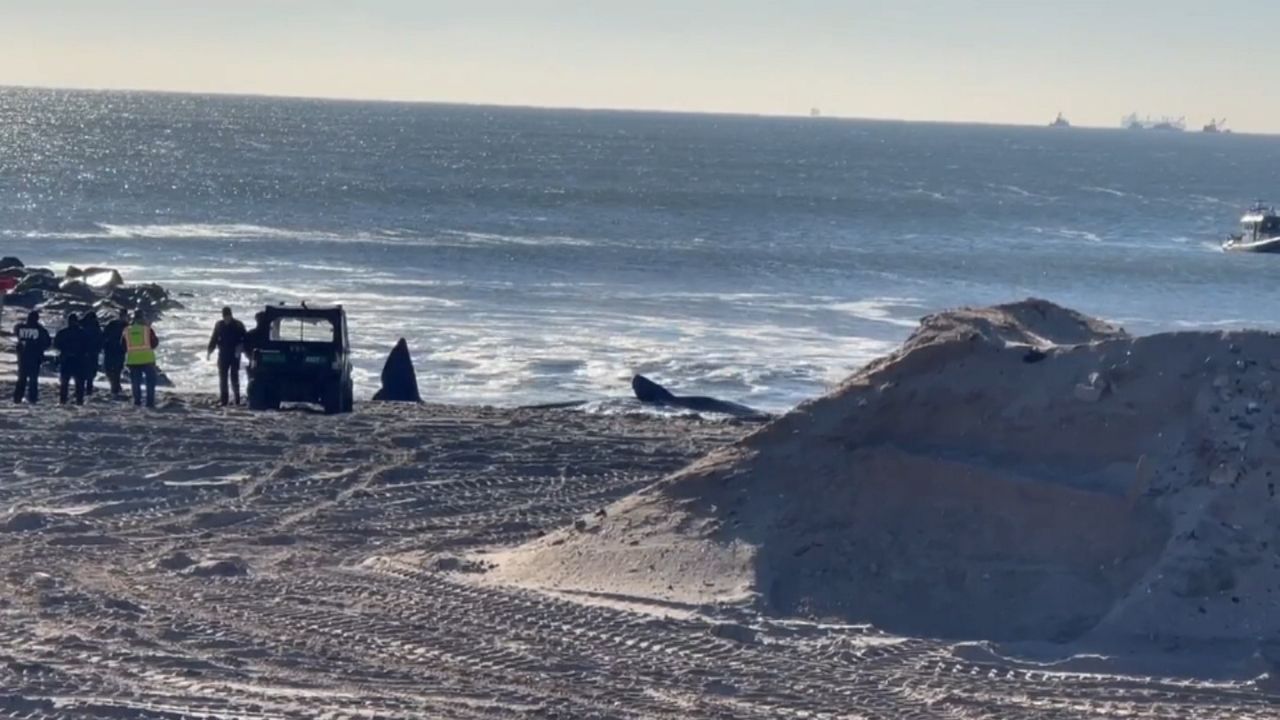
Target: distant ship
<point>815,112</point>
<point>1216,126</point>
<point>1060,122</point>
<point>1132,122</point>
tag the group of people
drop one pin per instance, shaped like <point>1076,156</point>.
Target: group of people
<point>85,348</point>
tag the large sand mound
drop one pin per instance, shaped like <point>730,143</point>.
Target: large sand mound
<point>1016,472</point>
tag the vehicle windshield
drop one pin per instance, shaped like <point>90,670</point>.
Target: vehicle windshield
<point>306,330</point>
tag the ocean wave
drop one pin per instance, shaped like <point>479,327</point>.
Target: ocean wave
<point>251,232</point>
<point>884,310</point>
<point>1108,191</point>
<point>469,238</point>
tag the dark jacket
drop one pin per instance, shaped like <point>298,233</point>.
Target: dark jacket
<point>93,336</point>
<point>228,337</point>
<point>72,344</point>
<point>33,341</point>
<point>113,340</point>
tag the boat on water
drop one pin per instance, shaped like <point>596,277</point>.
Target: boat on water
<point>1060,122</point>
<point>1259,231</point>
<point>1133,122</point>
<point>1216,126</point>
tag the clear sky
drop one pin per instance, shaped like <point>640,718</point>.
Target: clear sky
<point>1016,61</point>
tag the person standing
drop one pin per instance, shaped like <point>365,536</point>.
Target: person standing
<point>254,339</point>
<point>33,341</point>
<point>92,350</point>
<point>228,339</point>
<point>71,345</point>
<point>113,352</point>
<point>140,344</point>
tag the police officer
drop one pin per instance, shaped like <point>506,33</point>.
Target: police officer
<point>113,352</point>
<point>72,344</point>
<point>255,338</point>
<point>33,341</point>
<point>140,343</point>
<point>228,339</point>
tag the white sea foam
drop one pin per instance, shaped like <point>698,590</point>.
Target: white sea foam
<point>243,232</point>
<point>1107,191</point>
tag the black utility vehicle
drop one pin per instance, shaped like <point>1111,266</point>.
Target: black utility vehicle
<point>301,354</point>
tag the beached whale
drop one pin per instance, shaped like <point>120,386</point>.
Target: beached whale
<point>648,391</point>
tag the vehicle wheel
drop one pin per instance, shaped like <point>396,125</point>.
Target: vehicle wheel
<point>332,399</point>
<point>258,399</point>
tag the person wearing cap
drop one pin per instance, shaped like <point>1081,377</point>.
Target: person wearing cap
<point>228,339</point>
<point>72,345</point>
<point>140,344</point>
<point>33,341</point>
<point>113,352</point>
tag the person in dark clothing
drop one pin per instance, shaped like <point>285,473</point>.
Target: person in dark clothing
<point>93,349</point>
<point>72,345</point>
<point>255,337</point>
<point>33,342</point>
<point>113,352</point>
<point>228,339</point>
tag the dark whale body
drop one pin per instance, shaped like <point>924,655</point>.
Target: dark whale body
<point>648,391</point>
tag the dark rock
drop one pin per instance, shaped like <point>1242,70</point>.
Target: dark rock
<point>8,261</point>
<point>77,288</point>
<point>63,304</point>
<point>37,281</point>
<point>28,299</point>
<point>399,381</point>
<point>103,280</point>
<point>147,298</point>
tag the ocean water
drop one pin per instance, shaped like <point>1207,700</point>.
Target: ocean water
<point>546,255</point>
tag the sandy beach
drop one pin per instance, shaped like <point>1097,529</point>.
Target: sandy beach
<point>199,562</point>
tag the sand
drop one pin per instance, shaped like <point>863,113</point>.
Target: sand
<point>1019,473</point>
<point>199,562</point>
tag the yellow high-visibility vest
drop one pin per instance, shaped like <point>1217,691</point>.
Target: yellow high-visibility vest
<point>137,343</point>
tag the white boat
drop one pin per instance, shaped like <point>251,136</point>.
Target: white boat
<point>1259,231</point>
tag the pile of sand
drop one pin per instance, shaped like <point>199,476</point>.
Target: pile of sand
<point>1019,472</point>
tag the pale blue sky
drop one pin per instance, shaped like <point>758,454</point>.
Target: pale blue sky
<point>985,60</point>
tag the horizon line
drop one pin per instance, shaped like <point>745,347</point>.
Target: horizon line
<point>799,115</point>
